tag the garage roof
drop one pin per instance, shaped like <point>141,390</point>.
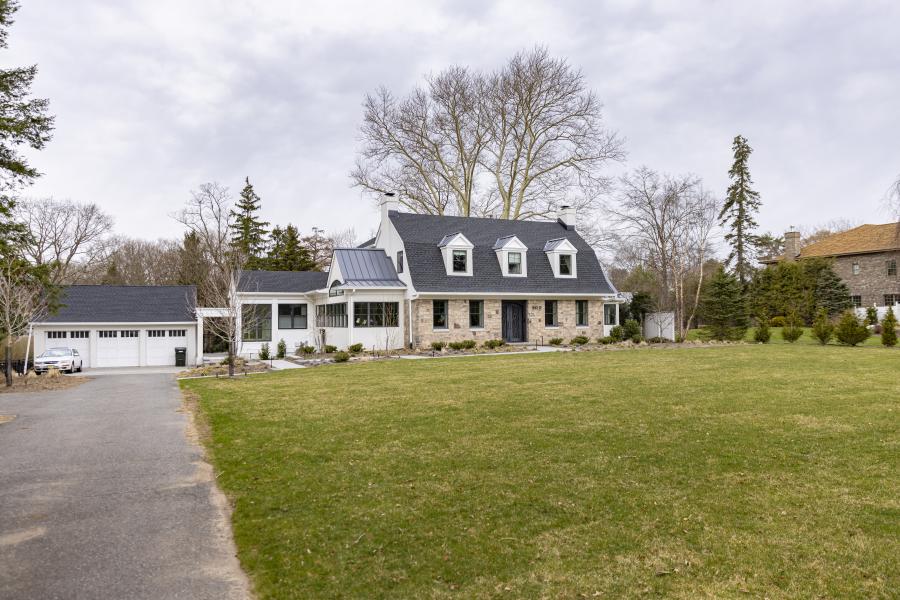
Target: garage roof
<point>126,304</point>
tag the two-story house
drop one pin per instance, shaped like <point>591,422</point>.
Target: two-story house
<point>864,257</point>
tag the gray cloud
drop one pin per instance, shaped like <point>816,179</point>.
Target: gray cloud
<point>153,99</point>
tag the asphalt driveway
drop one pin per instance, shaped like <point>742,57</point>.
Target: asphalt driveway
<point>104,495</point>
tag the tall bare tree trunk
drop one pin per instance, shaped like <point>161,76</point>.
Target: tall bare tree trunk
<point>8,370</point>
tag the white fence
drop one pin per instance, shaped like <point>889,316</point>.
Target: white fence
<point>660,325</point>
<point>882,310</point>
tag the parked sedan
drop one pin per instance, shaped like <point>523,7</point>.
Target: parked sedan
<point>64,359</point>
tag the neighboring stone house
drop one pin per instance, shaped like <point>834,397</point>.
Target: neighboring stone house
<point>865,258</point>
<point>427,278</point>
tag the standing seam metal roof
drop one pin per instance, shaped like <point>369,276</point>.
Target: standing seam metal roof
<point>366,267</point>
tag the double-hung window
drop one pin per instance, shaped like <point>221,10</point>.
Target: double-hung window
<point>565,264</point>
<point>257,322</point>
<point>460,261</point>
<point>857,301</point>
<point>581,313</point>
<point>609,314</point>
<point>891,266</point>
<point>514,263</point>
<point>550,314</point>
<point>292,316</point>
<point>891,299</point>
<point>439,314</point>
<point>476,314</point>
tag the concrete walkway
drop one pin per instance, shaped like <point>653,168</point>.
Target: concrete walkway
<point>103,494</point>
<point>279,364</point>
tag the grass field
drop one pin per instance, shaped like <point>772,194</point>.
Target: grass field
<point>727,472</point>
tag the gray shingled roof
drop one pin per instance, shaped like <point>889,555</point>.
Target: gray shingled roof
<point>126,304</point>
<point>422,233</point>
<point>282,281</point>
<point>366,267</point>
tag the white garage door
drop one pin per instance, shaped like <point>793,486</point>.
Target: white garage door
<point>118,348</point>
<point>161,344</point>
<point>79,340</point>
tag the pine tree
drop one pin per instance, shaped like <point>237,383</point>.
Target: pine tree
<point>287,252</point>
<point>762,334</point>
<point>793,327</point>
<point>724,307</point>
<point>889,329</point>
<point>828,290</point>
<point>850,331</point>
<point>823,329</point>
<point>249,233</point>
<point>738,213</point>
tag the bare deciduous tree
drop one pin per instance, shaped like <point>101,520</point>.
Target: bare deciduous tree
<point>667,224</point>
<point>23,300</point>
<point>131,261</point>
<point>72,236</point>
<point>514,144</point>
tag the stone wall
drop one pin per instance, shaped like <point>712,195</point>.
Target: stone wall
<point>872,282</point>
<point>458,322</point>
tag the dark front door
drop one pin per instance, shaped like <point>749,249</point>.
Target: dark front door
<point>513,321</point>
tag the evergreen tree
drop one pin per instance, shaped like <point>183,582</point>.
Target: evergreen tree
<point>828,290</point>
<point>249,233</point>
<point>889,329</point>
<point>762,333</point>
<point>738,213</point>
<point>850,331</point>
<point>823,329</point>
<point>193,265</point>
<point>287,252</point>
<point>724,308</point>
<point>793,327</point>
<point>803,286</point>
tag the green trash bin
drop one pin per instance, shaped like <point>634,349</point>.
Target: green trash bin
<point>180,357</point>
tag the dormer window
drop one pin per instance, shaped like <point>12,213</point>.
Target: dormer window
<point>460,261</point>
<point>562,256</point>
<point>457,251</point>
<point>514,263</point>
<point>512,255</point>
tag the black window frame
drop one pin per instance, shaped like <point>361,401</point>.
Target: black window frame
<point>156,333</point>
<point>106,333</point>
<point>465,261</point>
<point>445,312</point>
<point>57,335</point>
<point>551,313</point>
<point>509,263</point>
<point>80,334</point>
<point>570,266</point>
<point>297,312</point>
<point>399,261</point>
<point>253,329</point>
<point>178,333</point>
<point>478,314</point>
<point>130,333</point>
<point>332,315</point>
<point>582,313</point>
<point>376,314</point>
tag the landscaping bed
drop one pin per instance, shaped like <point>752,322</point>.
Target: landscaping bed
<point>41,383</point>
<point>731,471</point>
<point>241,367</point>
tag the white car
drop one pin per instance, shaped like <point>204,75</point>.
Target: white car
<point>64,359</point>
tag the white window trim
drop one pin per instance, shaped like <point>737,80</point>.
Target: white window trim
<point>565,247</point>
<point>513,244</point>
<point>458,242</point>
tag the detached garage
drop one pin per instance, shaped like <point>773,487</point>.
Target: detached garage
<point>123,325</point>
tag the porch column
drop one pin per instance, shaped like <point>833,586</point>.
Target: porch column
<point>199,358</point>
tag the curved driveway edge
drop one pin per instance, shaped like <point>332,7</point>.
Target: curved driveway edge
<point>104,494</point>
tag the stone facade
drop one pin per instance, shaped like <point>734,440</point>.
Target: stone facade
<point>872,282</point>
<point>458,322</point>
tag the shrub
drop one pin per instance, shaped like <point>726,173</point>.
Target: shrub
<point>305,349</point>
<point>355,348</point>
<point>871,316</point>
<point>889,329</point>
<point>468,344</point>
<point>492,344</point>
<point>762,334</point>
<point>630,329</point>
<point>656,340</point>
<point>778,321</point>
<point>329,349</point>
<point>605,340</point>
<point>617,333</point>
<point>850,331</point>
<point>456,345</point>
<point>579,340</point>
<point>556,341</point>
<point>793,328</point>
<point>823,329</point>
<point>264,352</point>
<point>637,338</point>
<point>281,351</point>
<point>438,346</point>
<point>341,357</point>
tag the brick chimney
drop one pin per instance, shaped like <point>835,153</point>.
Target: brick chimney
<point>566,216</point>
<point>791,245</point>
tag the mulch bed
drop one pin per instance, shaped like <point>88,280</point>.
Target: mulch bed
<point>41,383</point>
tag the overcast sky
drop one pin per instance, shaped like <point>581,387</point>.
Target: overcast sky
<point>154,98</point>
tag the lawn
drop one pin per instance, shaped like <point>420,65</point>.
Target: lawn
<point>736,472</point>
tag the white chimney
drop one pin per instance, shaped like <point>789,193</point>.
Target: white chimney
<point>389,202</point>
<point>566,216</point>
